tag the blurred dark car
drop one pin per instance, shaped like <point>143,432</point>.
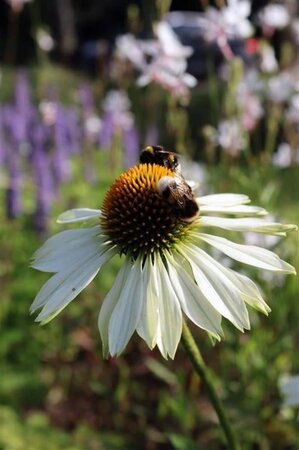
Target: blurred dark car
<point>206,55</point>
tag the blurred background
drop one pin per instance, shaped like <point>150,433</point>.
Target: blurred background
<point>84,85</point>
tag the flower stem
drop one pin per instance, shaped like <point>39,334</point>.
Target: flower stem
<point>206,375</point>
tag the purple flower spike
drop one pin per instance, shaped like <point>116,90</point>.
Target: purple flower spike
<point>60,159</point>
<point>107,131</point>
<point>2,140</point>
<point>13,192</point>
<point>86,99</point>
<point>152,135</point>
<point>42,211</point>
<point>22,92</point>
<point>131,145</point>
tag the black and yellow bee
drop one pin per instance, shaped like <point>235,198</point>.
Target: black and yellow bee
<point>175,190</point>
<point>156,154</point>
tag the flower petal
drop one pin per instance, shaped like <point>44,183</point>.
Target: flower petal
<point>126,314</point>
<point>249,291</point>
<point>223,199</point>
<point>57,255</point>
<point>169,310</point>
<point>109,304</point>
<point>78,215</point>
<point>248,254</point>
<point>235,209</point>
<point>193,303</point>
<point>149,318</point>
<point>64,286</point>
<point>67,239</point>
<point>217,287</point>
<point>246,224</point>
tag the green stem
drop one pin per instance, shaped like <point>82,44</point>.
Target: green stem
<point>205,374</point>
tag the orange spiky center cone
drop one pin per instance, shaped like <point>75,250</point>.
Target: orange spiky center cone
<point>136,218</point>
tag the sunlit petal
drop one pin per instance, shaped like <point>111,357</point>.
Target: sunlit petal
<point>78,215</point>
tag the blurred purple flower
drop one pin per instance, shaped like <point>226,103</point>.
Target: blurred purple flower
<point>86,99</point>
<point>60,158</point>
<point>117,117</point>
<point>14,187</point>
<point>42,178</point>
<point>107,130</point>
<point>2,139</point>
<point>131,146</point>
<point>152,135</point>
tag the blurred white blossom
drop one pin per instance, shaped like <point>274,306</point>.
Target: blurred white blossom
<point>285,155</point>
<point>249,104</point>
<point>162,60</point>
<point>229,22</point>
<point>274,16</point>
<point>92,126</point>
<point>230,136</point>
<point>45,40</point>
<point>289,387</point>
<point>292,112</point>
<point>280,87</point>
<point>268,62</point>
<point>130,48</point>
<point>48,110</point>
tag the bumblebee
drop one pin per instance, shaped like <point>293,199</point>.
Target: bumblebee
<point>175,190</point>
<point>157,154</point>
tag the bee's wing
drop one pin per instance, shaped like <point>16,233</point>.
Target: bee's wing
<point>181,192</point>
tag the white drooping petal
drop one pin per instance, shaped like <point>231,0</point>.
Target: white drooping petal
<point>217,287</point>
<point>78,215</point>
<point>248,254</point>
<point>169,329</point>
<point>149,318</point>
<point>126,314</point>
<point>60,251</point>
<point>64,286</point>
<point>67,239</point>
<point>247,224</point>
<point>194,304</point>
<point>223,200</point>
<point>109,304</point>
<point>249,291</point>
<point>246,288</point>
<point>235,209</point>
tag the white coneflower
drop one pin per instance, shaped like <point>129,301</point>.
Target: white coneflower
<point>166,269</point>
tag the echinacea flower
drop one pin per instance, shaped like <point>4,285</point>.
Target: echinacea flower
<point>166,270</point>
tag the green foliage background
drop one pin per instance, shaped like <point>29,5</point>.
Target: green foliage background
<point>57,392</point>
